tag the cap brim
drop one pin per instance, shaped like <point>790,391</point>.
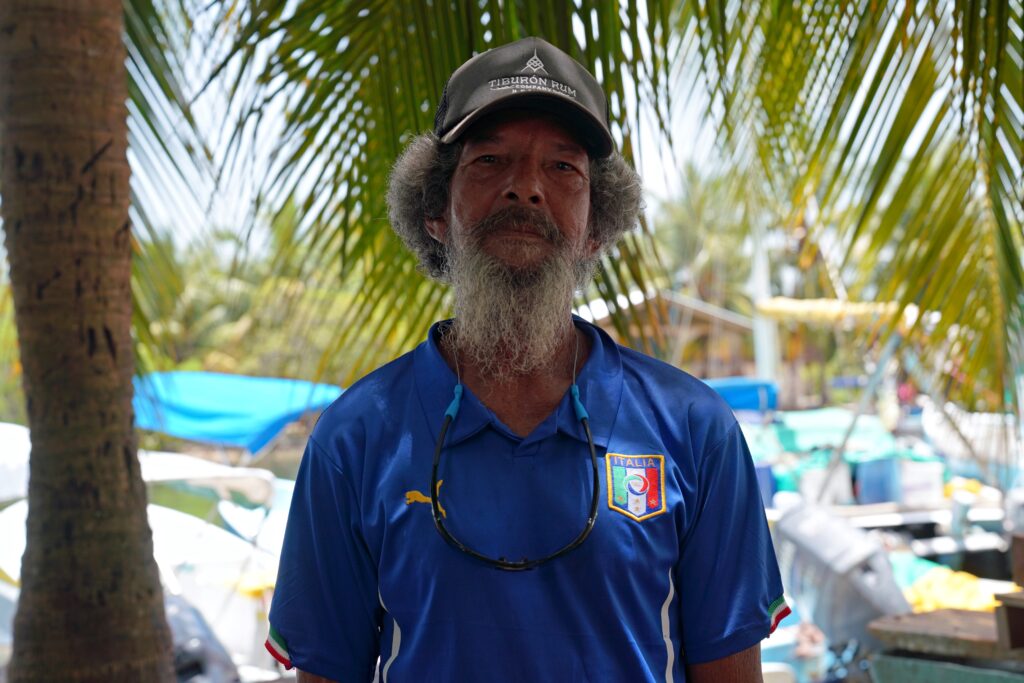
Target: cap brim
<point>593,133</point>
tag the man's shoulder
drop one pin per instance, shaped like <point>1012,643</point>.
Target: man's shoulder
<point>662,380</point>
<point>676,394</point>
<point>376,396</point>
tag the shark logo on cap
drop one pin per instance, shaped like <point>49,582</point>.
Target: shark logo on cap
<point>534,64</point>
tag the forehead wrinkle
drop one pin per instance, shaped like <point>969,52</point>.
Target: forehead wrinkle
<point>483,136</point>
<point>495,137</point>
<point>570,147</point>
<point>492,130</point>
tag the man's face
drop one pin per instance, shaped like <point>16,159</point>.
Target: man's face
<point>515,233</point>
<point>520,192</point>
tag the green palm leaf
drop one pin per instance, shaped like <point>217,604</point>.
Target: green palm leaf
<point>897,129</point>
<point>893,129</point>
<point>168,159</point>
<point>172,170</point>
<point>358,79</point>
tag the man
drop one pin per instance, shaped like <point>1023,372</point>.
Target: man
<point>446,522</point>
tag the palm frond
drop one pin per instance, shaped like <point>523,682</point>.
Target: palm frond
<point>358,78</point>
<point>897,127</point>
<point>171,164</point>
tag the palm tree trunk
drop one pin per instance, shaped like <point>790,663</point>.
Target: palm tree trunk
<point>91,607</point>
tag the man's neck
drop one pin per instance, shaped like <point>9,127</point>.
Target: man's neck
<point>523,400</point>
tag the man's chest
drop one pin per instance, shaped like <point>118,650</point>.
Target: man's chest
<point>522,499</point>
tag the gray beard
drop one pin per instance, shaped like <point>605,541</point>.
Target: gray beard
<point>510,321</point>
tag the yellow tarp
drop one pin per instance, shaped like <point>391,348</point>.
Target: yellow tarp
<point>943,588</point>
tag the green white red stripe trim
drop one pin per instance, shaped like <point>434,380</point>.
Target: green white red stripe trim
<point>779,610</point>
<point>276,646</point>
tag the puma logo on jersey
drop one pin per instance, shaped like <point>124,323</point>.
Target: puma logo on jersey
<point>417,497</point>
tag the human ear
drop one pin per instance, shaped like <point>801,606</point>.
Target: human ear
<point>437,228</point>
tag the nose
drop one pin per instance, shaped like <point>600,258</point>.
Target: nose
<point>525,183</point>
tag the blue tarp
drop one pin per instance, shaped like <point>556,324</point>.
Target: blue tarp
<point>744,393</point>
<point>234,410</point>
<point>229,410</point>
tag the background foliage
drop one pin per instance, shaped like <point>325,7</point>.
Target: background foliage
<point>882,136</point>
<point>894,128</point>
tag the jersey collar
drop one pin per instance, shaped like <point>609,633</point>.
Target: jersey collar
<point>599,380</point>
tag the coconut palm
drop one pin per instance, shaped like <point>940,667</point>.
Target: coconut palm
<point>356,80</point>
<point>90,604</point>
<point>897,127</point>
<point>893,126</point>
<point>90,607</point>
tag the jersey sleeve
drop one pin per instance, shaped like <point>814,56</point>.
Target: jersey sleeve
<point>728,577</point>
<point>325,614</point>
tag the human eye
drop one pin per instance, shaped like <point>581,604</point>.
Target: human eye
<point>567,169</point>
<point>486,159</point>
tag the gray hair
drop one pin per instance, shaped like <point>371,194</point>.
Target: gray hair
<point>420,180</point>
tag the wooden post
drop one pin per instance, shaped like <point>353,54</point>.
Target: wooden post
<point>1010,620</point>
<point>1017,558</point>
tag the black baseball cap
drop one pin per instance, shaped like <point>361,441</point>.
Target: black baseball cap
<point>528,74</point>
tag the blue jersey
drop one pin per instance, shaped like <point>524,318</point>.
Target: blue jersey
<point>679,567</point>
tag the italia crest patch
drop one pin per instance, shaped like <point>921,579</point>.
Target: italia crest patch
<point>636,484</point>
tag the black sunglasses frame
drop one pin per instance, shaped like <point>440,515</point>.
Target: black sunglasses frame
<point>500,562</point>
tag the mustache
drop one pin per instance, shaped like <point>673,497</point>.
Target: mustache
<point>520,218</point>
